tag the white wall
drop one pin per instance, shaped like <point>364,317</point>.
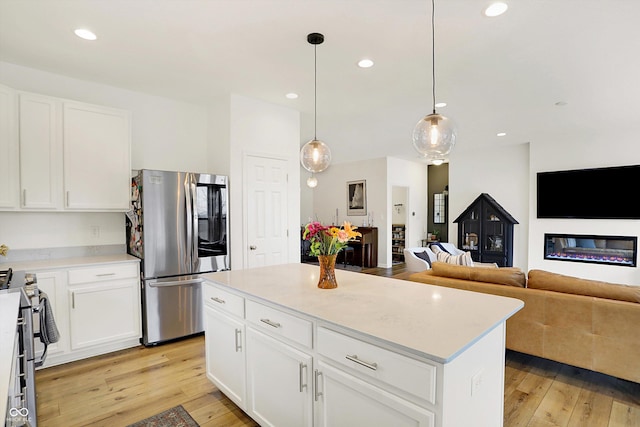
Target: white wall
<point>260,128</point>
<point>590,151</point>
<point>501,172</point>
<point>381,175</point>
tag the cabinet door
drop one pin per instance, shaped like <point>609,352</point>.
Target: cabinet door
<point>96,157</point>
<point>40,152</point>
<point>225,354</point>
<point>344,400</point>
<point>104,313</point>
<point>8,149</point>
<point>278,382</point>
<point>52,283</point>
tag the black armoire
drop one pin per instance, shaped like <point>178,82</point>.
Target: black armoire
<point>486,230</point>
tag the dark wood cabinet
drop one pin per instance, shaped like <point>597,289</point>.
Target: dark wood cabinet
<point>486,230</point>
<point>366,247</point>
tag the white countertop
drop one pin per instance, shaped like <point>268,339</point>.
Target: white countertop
<point>34,266</point>
<point>9,303</point>
<point>430,321</point>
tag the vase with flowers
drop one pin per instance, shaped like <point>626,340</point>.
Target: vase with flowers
<point>4,250</point>
<point>326,243</point>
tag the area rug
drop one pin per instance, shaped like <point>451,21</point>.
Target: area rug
<point>174,417</point>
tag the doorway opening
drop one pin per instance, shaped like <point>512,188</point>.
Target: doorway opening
<point>399,222</point>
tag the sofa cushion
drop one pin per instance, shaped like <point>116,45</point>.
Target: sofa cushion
<point>424,256</point>
<point>462,259</point>
<point>539,279</point>
<point>510,276</point>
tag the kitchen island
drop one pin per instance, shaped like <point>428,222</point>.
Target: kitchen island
<point>374,351</point>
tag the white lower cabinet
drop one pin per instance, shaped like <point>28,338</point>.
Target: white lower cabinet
<point>225,353</point>
<point>295,373</point>
<point>54,285</point>
<point>102,313</point>
<point>279,382</point>
<point>96,309</point>
<point>345,400</point>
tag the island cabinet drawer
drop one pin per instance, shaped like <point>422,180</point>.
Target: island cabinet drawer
<point>402,372</point>
<point>280,323</point>
<point>223,300</point>
<point>104,272</point>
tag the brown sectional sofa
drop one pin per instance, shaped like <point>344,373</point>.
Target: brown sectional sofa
<point>585,323</point>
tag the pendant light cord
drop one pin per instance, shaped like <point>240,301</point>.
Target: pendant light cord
<point>433,55</point>
<point>315,91</point>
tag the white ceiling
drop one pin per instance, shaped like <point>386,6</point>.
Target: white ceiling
<point>501,74</point>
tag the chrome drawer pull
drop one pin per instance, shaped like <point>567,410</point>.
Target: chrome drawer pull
<point>270,323</point>
<point>238,340</point>
<point>370,365</point>
<point>302,367</point>
<point>316,388</point>
<point>105,274</point>
<point>218,300</point>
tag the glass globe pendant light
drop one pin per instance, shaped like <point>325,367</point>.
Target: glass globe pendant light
<point>434,135</point>
<point>315,155</point>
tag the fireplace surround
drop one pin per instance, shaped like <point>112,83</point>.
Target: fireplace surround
<point>593,249</point>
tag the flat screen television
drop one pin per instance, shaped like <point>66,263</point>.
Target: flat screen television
<point>601,193</point>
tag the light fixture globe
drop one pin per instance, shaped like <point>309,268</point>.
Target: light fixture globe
<point>315,156</point>
<point>312,181</point>
<point>434,136</point>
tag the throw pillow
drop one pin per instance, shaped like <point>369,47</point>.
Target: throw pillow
<point>437,247</point>
<point>463,259</point>
<point>424,256</point>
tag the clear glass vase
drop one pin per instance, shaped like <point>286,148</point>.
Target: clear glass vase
<point>327,272</point>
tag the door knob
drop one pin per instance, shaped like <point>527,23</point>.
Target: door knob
<point>253,247</point>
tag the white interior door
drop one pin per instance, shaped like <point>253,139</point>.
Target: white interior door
<point>266,201</point>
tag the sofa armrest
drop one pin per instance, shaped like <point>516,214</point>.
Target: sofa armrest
<point>415,264</point>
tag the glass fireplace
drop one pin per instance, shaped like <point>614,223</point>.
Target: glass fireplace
<point>612,250</point>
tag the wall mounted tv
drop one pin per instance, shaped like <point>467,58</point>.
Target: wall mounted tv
<point>602,193</point>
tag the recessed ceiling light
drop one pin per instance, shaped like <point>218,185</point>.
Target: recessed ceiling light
<point>501,134</point>
<point>441,104</point>
<point>292,95</point>
<point>85,34</point>
<point>365,63</point>
<point>496,9</point>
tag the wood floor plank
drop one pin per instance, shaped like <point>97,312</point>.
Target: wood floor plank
<point>559,402</point>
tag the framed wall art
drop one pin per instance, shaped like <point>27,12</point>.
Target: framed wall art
<point>357,198</point>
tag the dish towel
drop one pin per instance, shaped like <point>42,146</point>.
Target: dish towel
<point>48,330</point>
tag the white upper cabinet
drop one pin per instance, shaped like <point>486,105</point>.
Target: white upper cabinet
<point>58,154</point>
<point>96,157</point>
<point>8,149</point>
<point>40,152</point>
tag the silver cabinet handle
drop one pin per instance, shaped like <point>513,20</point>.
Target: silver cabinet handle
<point>316,387</point>
<point>253,247</point>
<point>73,300</point>
<point>302,367</point>
<point>67,205</point>
<point>238,340</point>
<point>370,365</point>
<point>218,300</point>
<point>24,197</point>
<point>105,274</point>
<point>270,323</point>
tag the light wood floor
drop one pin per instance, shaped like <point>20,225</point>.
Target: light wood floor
<point>126,386</point>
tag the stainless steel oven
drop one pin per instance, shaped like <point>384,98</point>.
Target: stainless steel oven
<point>21,404</point>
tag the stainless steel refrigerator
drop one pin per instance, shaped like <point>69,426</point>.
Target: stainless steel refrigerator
<point>178,227</point>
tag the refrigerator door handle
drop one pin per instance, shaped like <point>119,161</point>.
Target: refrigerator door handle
<point>189,223</point>
<point>175,283</point>
<point>194,228</point>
